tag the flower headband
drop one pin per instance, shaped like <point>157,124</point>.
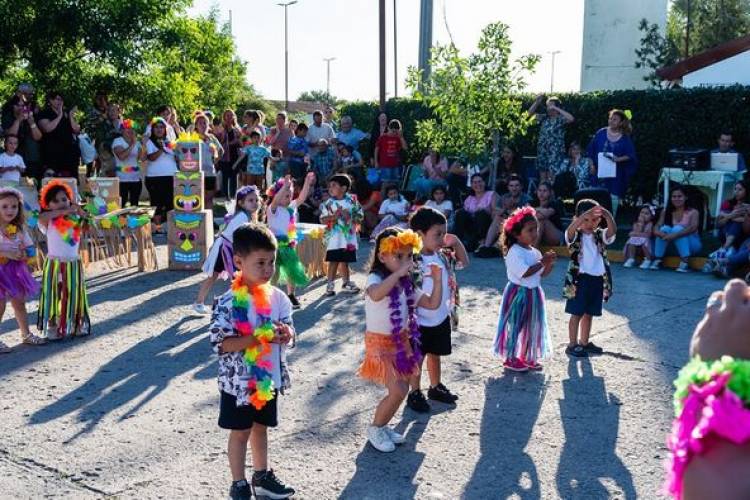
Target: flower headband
<point>517,217</point>
<point>247,190</point>
<point>404,239</point>
<point>127,124</point>
<point>158,119</point>
<point>272,191</point>
<point>46,189</point>
<point>12,191</point>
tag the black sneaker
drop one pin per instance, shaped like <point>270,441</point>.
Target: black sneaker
<point>240,490</point>
<point>417,402</point>
<point>576,350</point>
<point>268,485</point>
<point>295,302</point>
<point>442,394</point>
<point>592,348</point>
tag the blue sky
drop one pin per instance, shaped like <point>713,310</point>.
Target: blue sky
<point>347,30</point>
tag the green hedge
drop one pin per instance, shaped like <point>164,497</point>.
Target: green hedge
<point>662,119</point>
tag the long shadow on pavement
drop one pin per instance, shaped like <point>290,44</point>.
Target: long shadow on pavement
<point>590,418</point>
<point>511,408</point>
<point>140,373</point>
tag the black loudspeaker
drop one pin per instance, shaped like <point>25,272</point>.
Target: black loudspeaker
<point>600,195</point>
<point>689,158</point>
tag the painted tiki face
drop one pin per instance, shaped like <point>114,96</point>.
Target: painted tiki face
<point>188,191</point>
<point>188,152</point>
<point>188,238</point>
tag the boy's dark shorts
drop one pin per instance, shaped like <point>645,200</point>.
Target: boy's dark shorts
<point>436,339</point>
<point>341,255</point>
<point>242,418</point>
<point>589,296</point>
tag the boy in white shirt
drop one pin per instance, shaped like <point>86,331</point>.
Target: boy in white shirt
<point>588,281</point>
<point>11,164</point>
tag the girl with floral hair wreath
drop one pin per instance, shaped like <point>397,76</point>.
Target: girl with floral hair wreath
<point>392,352</point>
<point>17,285</point>
<point>63,306</point>
<point>522,336</point>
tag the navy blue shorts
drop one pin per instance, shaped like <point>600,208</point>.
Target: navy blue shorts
<point>589,296</point>
<point>242,418</point>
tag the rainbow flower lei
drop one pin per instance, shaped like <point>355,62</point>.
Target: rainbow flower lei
<point>257,358</point>
<point>69,228</point>
<point>712,398</point>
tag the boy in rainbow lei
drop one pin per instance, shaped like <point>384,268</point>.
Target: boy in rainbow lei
<point>392,341</point>
<point>342,215</point>
<point>63,306</point>
<point>710,441</point>
<point>251,325</point>
<point>282,220</point>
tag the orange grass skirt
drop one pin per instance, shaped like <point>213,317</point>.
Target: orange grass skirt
<point>379,365</point>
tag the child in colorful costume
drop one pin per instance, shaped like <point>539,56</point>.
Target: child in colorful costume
<point>17,285</point>
<point>392,341</point>
<point>250,328</point>
<point>219,262</point>
<point>63,306</point>
<point>282,221</point>
<point>342,214</point>
<point>710,440</point>
<point>522,336</point>
<point>447,252</point>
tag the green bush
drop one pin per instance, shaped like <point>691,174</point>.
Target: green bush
<point>662,119</point>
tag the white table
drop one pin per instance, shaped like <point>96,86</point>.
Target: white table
<point>717,184</point>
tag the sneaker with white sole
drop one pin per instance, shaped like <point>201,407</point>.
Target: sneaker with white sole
<point>646,264</point>
<point>683,268</point>
<point>330,290</point>
<point>396,438</point>
<point>629,263</point>
<point>379,439</point>
<point>655,265</point>
<point>200,309</point>
<point>350,287</point>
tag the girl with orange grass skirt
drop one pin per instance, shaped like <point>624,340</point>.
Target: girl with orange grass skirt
<point>63,305</point>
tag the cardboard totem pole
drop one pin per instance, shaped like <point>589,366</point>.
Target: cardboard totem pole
<point>105,195</point>
<point>190,228</point>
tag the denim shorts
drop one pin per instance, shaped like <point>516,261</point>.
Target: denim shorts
<point>589,296</point>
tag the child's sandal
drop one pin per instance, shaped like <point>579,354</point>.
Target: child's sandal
<point>32,339</point>
<point>4,349</point>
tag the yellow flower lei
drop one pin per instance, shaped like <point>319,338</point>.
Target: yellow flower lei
<point>404,239</point>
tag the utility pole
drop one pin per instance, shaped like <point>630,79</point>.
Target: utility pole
<point>381,31</point>
<point>425,38</point>
<point>552,77</point>
<point>328,73</point>
<point>395,52</point>
<point>286,53</point>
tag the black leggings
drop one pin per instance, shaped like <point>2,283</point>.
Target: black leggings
<point>130,193</point>
<point>471,228</point>
<point>161,193</point>
<point>228,179</point>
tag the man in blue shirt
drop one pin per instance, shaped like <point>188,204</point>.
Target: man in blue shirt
<point>726,145</point>
<point>348,134</point>
<point>298,151</point>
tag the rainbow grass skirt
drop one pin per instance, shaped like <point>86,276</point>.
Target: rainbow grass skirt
<point>522,331</point>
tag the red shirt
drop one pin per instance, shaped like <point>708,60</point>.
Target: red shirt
<point>389,150</point>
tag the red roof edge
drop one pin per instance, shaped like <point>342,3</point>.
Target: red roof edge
<point>704,59</point>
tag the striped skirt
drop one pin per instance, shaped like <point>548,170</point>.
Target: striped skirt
<point>63,305</point>
<point>522,329</point>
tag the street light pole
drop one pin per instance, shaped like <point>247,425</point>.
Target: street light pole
<point>381,44</point>
<point>286,53</point>
<point>328,73</point>
<point>552,76</point>
<point>395,52</point>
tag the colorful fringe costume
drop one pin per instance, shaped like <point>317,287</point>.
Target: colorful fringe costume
<point>522,329</point>
<point>283,224</point>
<point>16,280</point>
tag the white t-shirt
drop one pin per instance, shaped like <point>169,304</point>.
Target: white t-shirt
<point>517,263</point>
<point>446,206</point>
<point>234,223</point>
<point>129,169</point>
<point>433,317</point>
<point>278,220</point>
<point>591,261</point>
<point>336,237</point>
<point>56,246</point>
<point>7,161</point>
<point>398,207</point>
<point>165,164</point>
<point>315,133</point>
<point>378,314</point>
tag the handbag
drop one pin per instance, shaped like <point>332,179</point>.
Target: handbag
<point>88,151</point>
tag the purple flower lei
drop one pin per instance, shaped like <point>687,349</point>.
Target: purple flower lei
<point>404,364</point>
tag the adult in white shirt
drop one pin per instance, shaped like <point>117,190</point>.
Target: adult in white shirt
<point>160,170</point>
<point>164,112</point>
<point>127,151</point>
<point>319,130</point>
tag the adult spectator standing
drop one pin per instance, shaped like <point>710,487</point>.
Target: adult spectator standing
<point>127,152</point>
<point>211,151</point>
<point>349,135</point>
<point>551,143</point>
<point>328,117</point>
<point>388,153</point>
<point>253,120</point>
<point>278,139</point>
<point>18,120</point>
<point>319,130</point>
<point>59,144</point>
<point>230,139</point>
<point>726,145</point>
<point>174,121</point>
<point>164,112</point>
<point>322,161</point>
<point>92,125</point>
<point>614,142</point>
<point>475,218</point>
<point>107,131</point>
<point>379,127</point>
<point>160,170</point>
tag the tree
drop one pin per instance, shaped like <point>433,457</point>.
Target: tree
<point>656,52</point>
<point>472,98</point>
<point>319,96</point>
<point>712,22</point>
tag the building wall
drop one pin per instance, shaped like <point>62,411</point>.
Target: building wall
<point>732,71</point>
<point>610,38</point>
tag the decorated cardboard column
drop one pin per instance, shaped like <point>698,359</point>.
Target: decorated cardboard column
<point>105,195</point>
<point>189,226</point>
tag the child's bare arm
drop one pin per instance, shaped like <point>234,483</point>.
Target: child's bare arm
<point>433,300</point>
<point>236,344</point>
<point>611,224</point>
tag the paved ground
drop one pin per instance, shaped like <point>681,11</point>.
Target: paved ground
<point>131,411</point>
